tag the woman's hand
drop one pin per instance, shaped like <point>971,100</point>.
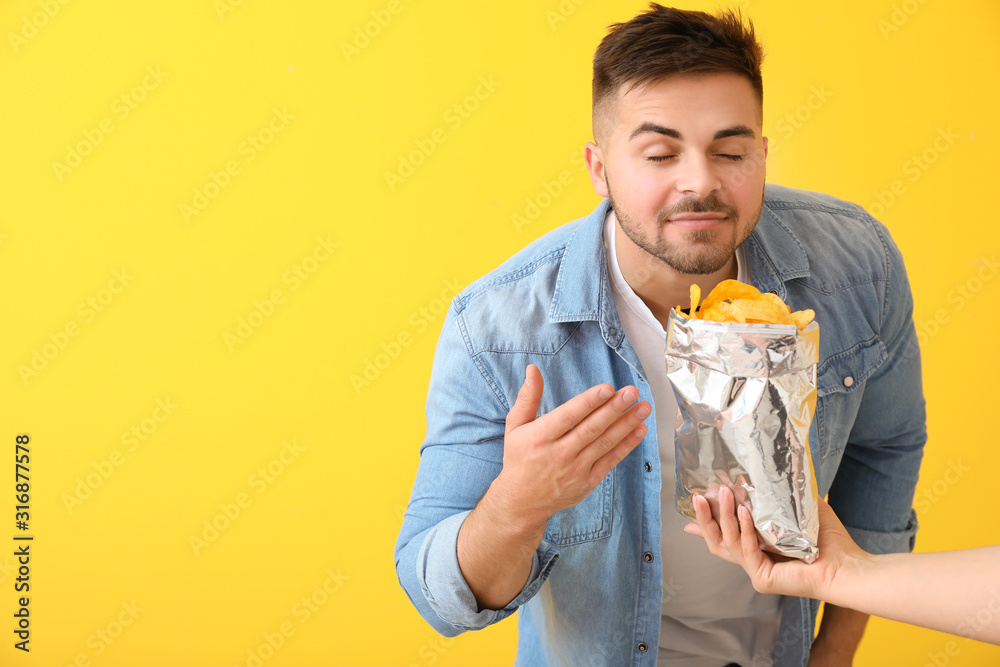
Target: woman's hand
<point>733,537</point>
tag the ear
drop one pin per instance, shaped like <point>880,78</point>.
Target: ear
<point>765,147</point>
<point>595,166</point>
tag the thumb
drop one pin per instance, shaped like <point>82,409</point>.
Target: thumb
<point>525,408</point>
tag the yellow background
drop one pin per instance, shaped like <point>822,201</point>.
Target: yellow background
<point>854,90</point>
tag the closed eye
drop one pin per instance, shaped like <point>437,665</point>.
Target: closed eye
<point>734,158</point>
<point>659,158</point>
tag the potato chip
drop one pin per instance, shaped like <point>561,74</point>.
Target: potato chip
<point>733,301</point>
<point>763,311</point>
<point>776,300</point>
<point>802,318</point>
<point>728,290</point>
<point>720,312</point>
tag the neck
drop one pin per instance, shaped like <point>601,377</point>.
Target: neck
<point>659,286</point>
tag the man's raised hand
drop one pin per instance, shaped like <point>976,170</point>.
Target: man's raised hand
<point>552,462</point>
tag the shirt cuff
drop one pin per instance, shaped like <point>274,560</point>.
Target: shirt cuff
<point>448,594</point>
<point>878,542</point>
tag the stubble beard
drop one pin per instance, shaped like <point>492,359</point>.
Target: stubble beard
<point>703,251</point>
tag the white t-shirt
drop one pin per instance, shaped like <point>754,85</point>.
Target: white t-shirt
<point>712,615</point>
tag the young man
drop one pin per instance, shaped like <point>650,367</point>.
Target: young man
<point>569,517</point>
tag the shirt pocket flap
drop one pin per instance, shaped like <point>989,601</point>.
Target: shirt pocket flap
<point>847,371</point>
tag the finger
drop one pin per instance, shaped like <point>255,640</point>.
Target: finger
<point>525,408</point>
<point>602,466</point>
<point>609,424</point>
<point>709,528</point>
<point>752,555</point>
<point>568,416</point>
<point>727,519</point>
<point>692,529</point>
<point>617,439</point>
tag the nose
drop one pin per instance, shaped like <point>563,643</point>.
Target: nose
<point>698,176</point>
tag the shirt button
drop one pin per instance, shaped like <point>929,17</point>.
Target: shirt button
<point>642,647</point>
<point>848,381</point>
<point>648,557</point>
<point>649,467</point>
<point>612,331</point>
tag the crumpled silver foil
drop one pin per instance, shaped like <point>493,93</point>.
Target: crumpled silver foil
<point>746,394</point>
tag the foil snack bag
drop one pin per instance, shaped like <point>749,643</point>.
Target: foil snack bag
<point>746,394</point>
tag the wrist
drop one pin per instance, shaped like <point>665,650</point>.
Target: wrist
<point>507,511</point>
<point>850,574</point>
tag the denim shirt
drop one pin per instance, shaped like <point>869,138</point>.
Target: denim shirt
<point>592,598</point>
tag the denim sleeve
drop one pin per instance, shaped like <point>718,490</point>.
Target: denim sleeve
<point>874,486</point>
<point>461,455</point>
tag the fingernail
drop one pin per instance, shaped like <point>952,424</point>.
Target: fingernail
<point>629,396</point>
<point>643,411</point>
<point>604,393</point>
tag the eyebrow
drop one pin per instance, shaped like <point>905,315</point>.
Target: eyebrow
<point>734,131</point>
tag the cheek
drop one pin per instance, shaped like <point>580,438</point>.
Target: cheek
<point>746,190</point>
<point>644,191</point>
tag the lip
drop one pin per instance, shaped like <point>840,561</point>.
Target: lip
<point>697,220</point>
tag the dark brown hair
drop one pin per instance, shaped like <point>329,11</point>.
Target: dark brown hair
<point>665,42</point>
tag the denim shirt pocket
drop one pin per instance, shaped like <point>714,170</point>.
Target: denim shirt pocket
<point>588,520</point>
<point>840,382</point>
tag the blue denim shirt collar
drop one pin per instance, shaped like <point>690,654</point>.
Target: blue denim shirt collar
<point>787,260</point>
<point>583,294</point>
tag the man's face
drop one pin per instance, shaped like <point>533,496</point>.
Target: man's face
<point>682,160</point>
